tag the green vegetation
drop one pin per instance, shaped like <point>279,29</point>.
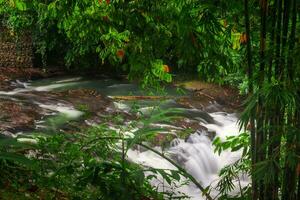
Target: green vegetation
<point>253,46</point>
<point>80,166</point>
<point>138,37</point>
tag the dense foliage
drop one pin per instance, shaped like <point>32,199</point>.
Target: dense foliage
<point>91,164</point>
<point>145,38</point>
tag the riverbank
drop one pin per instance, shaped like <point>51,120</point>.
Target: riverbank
<point>72,106</point>
<point>20,112</point>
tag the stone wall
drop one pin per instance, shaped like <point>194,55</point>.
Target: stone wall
<point>15,52</point>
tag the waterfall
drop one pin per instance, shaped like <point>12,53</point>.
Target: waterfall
<point>196,154</point>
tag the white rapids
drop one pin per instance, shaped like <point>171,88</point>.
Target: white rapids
<point>28,87</point>
<point>196,154</point>
<point>67,110</point>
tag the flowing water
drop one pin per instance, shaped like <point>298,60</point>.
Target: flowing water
<point>195,153</point>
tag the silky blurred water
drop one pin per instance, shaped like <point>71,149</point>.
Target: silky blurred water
<point>195,153</point>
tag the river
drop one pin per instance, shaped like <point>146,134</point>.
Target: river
<point>54,102</point>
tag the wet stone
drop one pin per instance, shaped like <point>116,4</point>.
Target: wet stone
<point>15,116</point>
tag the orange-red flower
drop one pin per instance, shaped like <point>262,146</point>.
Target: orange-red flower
<point>243,38</point>
<point>120,53</point>
<point>166,68</point>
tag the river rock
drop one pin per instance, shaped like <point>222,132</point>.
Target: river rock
<point>206,94</point>
<point>85,99</point>
<point>15,116</point>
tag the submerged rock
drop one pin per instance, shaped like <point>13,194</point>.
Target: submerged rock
<point>211,97</point>
<point>16,116</point>
<point>85,99</point>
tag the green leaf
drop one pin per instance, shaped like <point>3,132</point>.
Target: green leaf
<point>20,5</point>
<point>175,175</point>
<point>17,158</point>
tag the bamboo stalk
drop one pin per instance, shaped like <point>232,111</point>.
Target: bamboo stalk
<point>285,25</point>
<point>292,41</point>
<point>278,69</point>
<point>261,132</point>
<point>250,87</point>
<point>289,186</point>
<point>272,41</point>
<point>263,36</point>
